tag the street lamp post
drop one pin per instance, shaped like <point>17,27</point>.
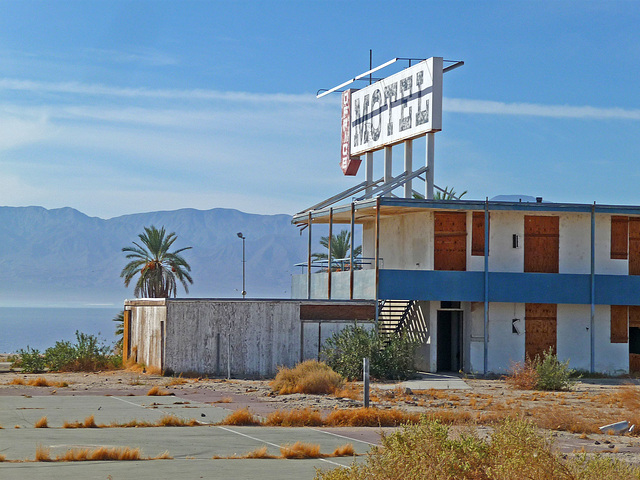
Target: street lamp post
<point>244,291</point>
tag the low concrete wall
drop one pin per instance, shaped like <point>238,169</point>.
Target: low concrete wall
<point>245,338</point>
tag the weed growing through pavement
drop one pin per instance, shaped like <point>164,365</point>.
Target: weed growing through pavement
<point>157,391</point>
<point>42,423</point>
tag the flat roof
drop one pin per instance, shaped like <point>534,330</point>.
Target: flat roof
<point>365,210</point>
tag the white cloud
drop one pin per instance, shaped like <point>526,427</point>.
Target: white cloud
<point>486,107</point>
<point>92,89</point>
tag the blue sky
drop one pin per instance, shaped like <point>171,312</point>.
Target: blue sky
<point>121,107</point>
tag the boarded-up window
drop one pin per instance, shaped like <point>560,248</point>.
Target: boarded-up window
<point>540,324</point>
<point>619,237</point>
<point>477,234</point>
<point>634,316</point>
<point>634,246</point>
<point>450,241</point>
<point>541,244</point>
<point>619,329</point>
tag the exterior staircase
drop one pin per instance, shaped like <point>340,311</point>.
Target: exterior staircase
<point>393,316</point>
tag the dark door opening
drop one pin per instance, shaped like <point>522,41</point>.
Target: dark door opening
<point>449,341</point>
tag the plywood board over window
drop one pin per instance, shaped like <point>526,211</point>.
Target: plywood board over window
<point>619,328</point>
<point>477,233</point>
<point>634,246</point>
<point>619,237</point>
<point>540,328</point>
<point>450,241</point>
<point>541,244</point>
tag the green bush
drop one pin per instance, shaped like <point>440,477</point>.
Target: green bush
<point>344,352</point>
<point>552,373</point>
<point>515,450</point>
<point>30,360</point>
<point>87,354</point>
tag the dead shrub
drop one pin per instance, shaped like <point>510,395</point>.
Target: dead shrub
<point>522,376</point>
<point>370,417</point>
<point>349,390</point>
<point>300,450</point>
<point>157,391</point>
<point>294,418</point>
<point>42,423</point>
<point>310,376</point>
<point>241,417</point>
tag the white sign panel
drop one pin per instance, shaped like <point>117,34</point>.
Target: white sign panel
<point>405,105</point>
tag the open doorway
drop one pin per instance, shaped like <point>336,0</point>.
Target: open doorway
<point>449,340</point>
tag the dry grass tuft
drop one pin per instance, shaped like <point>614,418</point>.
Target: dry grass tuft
<point>300,450</point>
<point>42,423</point>
<point>157,391</point>
<point>43,454</point>
<point>567,419</point>
<point>261,452</point>
<point>241,417</point>
<point>177,381</point>
<point>370,417</point>
<point>294,418</point>
<point>39,382</point>
<point>522,376</point>
<point>89,422</point>
<point>2,458</point>
<point>163,456</point>
<point>344,451</point>
<point>349,390</point>
<point>100,453</point>
<point>310,376</point>
<point>174,421</point>
<point>17,381</point>
<point>154,370</point>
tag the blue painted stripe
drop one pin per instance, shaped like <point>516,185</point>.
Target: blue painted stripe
<point>509,287</point>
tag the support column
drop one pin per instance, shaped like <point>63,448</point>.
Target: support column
<point>486,286</point>
<point>431,138</point>
<point>592,334</point>
<point>368,171</point>
<point>351,265</point>
<point>309,262</point>
<point>388,166</point>
<point>329,253</point>
<point>377,257</point>
<point>408,167</point>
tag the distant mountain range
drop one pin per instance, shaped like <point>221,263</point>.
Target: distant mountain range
<point>62,257</point>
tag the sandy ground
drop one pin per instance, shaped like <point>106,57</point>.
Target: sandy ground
<point>589,404</point>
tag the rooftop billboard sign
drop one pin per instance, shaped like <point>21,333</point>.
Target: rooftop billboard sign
<point>403,106</point>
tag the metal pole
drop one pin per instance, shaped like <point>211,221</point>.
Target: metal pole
<point>353,209</point>
<point>244,289</point>
<point>377,257</point>
<point>309,261</point>
<point>368,171</point>
<point>593,288</point>
<point>365,379</point>
<point>431,138</point>
<point>408,167</point>
<point>486,285</point>
<point>388,165</point>
<point>329,253</point>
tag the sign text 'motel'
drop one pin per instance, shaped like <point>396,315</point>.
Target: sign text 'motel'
<point>403,106</point>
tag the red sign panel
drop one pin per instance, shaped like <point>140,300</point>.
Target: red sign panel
<point>348,163</point>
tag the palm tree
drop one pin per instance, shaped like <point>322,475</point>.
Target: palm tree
<point>158,268</point>
<point>340,247</point>
<point>119,319</point>
<point>443,195</point>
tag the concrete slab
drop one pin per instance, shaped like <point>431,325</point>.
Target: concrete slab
<point>192,448</point>
<point>26,411</point>
<point>428,381</point>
